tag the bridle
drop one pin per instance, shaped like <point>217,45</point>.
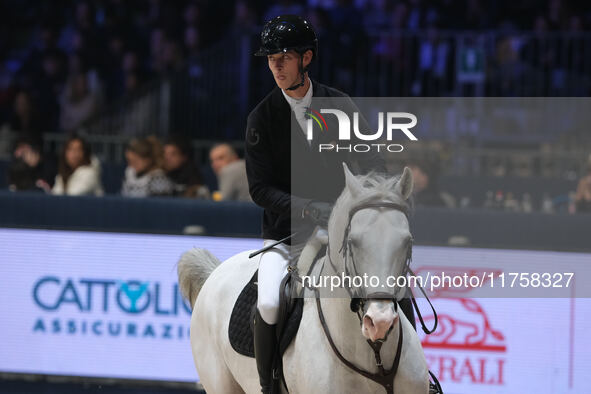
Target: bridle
<point>358,296</point>
<point>385,377</point>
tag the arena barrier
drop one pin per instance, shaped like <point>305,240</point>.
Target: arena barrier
<point>430,226</point>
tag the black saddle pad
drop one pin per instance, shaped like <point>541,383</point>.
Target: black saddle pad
<point>240,329</point>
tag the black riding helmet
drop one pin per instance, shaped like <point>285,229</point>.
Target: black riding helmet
<point>289,32</point>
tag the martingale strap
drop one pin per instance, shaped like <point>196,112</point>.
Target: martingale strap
<point>386,377</point>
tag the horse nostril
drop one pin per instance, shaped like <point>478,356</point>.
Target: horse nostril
<point>368,321</point>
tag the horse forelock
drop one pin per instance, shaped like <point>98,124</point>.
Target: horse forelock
<point>376,187</point>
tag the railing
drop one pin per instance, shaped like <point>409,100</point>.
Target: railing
<point>478,227</point>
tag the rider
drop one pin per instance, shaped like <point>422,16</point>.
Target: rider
<point>290,45</point>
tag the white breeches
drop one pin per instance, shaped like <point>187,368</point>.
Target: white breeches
<point>272,269</point>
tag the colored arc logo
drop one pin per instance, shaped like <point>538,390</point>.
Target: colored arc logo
<point>310,113</point>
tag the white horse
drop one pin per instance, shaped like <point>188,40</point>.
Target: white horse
<point>380,238</point>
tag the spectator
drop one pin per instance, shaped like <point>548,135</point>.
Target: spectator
<point>245,19</point>
<point>172,57</point>
<point>25,119</point>
<point>48,85</point>
<point>79,173</point>
<point>583,195</point>
<point>181,170</point>
<point>157,40</point>
<point>192,43</point>
<point>144,176</point>
<point>77,64</point>
<point>78,103</point>
<point>44,42</point>
<point>231,173</point>
<point>193,50</point>
<point>377,15</point>
<point>426,189</point>
<point>433,62</point>
<point>29,170</point>
<point>113,70</point>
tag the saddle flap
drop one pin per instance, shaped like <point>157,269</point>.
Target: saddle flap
<point>240,329</point>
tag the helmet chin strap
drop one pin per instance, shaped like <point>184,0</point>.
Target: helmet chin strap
<point>301,67</point>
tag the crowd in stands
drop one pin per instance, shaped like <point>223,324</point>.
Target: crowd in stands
<point>61,62</point>
<point>67,60</point>
<point>153,169</point>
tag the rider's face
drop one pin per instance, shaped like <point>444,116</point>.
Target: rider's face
<point>285,67</point>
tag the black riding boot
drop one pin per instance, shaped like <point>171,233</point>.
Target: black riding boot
<point>406,306</point>
<point>265,344</point>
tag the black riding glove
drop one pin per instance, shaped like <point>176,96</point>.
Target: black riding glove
<point>317,212</point>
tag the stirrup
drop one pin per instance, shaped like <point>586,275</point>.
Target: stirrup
<point>276,375</point>
<point>434,389</point>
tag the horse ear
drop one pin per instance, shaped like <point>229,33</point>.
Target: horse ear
<point>405,184</point>
<point>351,182</point>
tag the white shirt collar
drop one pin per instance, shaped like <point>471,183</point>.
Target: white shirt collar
<point>296,101</point>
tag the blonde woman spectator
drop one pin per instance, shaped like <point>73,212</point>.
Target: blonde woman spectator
<point>79,173</point>
<point>144,176</point>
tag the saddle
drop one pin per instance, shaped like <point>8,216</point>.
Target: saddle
<point>240,330</point>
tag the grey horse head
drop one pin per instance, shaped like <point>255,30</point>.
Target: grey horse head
<point>377,240</point>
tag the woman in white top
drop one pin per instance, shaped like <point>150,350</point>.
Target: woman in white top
<point>79,173</point>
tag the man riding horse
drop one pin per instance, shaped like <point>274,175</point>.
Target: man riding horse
<point>279,154</point>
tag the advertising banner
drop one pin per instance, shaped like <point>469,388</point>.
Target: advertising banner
<point>108,305</point>
<point>98,304</point>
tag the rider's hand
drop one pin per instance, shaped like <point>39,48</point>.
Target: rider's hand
<point>317,212</point>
